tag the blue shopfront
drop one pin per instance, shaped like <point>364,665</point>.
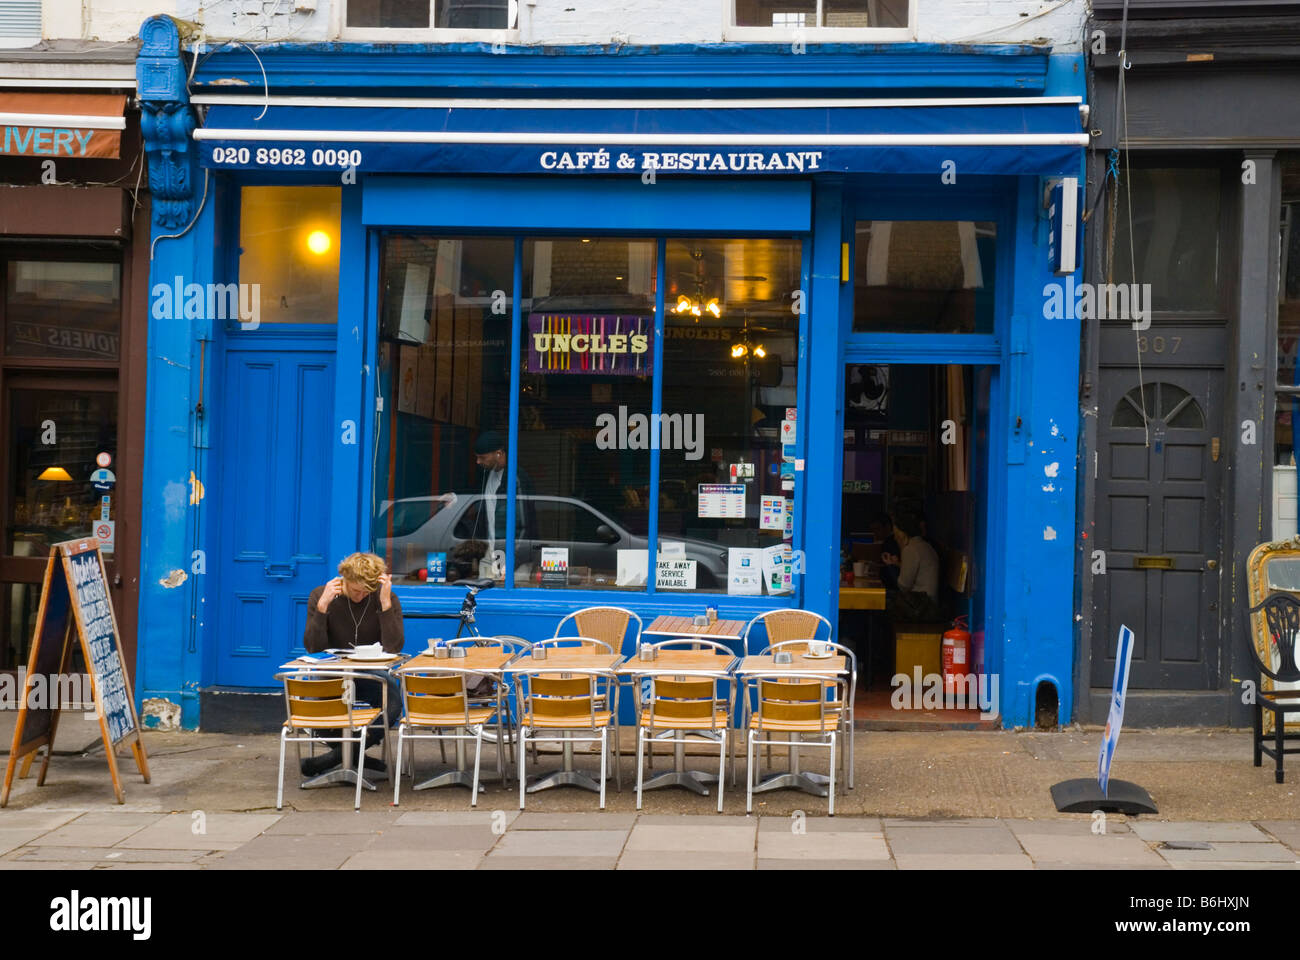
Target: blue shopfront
<point>542,316</point>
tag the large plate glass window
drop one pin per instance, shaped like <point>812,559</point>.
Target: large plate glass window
<point>444,378</point>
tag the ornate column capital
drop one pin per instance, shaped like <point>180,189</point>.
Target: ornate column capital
<point>167,121</point>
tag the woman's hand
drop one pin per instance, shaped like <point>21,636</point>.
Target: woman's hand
<point>386,591</point>
<point>332,590</point>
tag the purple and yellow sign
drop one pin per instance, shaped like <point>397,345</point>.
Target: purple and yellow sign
<point>591,343</point>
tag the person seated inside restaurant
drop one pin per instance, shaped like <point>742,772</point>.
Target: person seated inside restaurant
<point>356,609</point>
<point>882,532</point>
<point>916,597</point>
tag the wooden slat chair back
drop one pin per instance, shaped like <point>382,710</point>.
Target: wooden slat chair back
<point>319,709</point>
<point>684,706</point>
<point>562,702</point>
<point>783,626</point>
<point>438,700</point>
<point>795,706</point>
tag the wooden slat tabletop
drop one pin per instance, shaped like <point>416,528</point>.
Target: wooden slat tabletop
<point>342,664</point>
<point>665,625</point>
<point>476,659</point>
<point>801,664</point>
<point>674,661</point>
<point>566,658</point>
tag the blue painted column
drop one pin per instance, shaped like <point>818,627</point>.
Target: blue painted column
<point>169,643</point>
<point>822,335</point>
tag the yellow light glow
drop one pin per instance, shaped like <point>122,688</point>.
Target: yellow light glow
<point>713,307</point>
<point>318,242</point>
<point>683,304</point>
<point>54,473</point>
<point>760,352</point>
<point>738,351</point>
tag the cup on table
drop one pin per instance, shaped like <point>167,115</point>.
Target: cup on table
<point>819,648</point>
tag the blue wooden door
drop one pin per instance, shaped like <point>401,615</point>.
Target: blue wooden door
<point>274,494</point>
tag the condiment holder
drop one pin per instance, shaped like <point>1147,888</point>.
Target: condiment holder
<point>539,653</point>
<point>783,656</point>
<point>648,652</point>
<point>701,620</point>
<point>457,653</point>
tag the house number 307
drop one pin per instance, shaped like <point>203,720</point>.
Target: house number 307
<point>1157,344</point>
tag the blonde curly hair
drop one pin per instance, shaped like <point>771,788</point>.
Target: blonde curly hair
<point>364,569</point>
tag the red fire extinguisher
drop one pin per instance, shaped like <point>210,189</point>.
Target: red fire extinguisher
<point>956,654</point>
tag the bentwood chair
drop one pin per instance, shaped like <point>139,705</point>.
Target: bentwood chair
<point>554,707</point>
<point>317,703</point>
<point>780,627</point>
<point>1282,615</point>
<point>679,708</point>
<point>501,727</point>
<point>794,707</point>
<point>436,700</point>
<point>843,708</point>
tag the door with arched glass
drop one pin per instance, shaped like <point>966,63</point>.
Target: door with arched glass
<point>1159,477</point>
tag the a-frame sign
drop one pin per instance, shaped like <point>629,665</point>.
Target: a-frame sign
<point>74,603</point>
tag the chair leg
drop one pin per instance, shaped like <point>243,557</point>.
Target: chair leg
<point>397,773</point>
<point>604,756</point>
<point>361,767</point>
<point>1279,733</point>
<point>478,749</point>
<point>279,787</point>
<point>523,749</point>
<point>1259,730</point>
<point>722,766</point>
<point>749,772</point>
<point>831,809</point>
<point>851,735</point>
<point>640,753</point>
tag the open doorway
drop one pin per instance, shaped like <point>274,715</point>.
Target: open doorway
<point>913,535</point>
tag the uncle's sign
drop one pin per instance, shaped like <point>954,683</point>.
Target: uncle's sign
<point>601,343</point>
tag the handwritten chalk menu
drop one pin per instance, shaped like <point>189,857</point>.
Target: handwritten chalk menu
<point>74,595</point>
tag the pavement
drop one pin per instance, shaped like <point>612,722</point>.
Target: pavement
<point>951,799</point>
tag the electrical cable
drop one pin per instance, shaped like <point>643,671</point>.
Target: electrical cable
<point>197,213</point>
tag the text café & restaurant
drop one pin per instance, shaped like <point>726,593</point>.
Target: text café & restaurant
<point>724,304</point>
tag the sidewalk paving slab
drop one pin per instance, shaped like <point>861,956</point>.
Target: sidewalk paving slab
<point>268,852</point>
<point>221,831</point>
<point>494,861</point>
<point>1115,851</point>
<point>821,824</point>
<point>413,860</point>
<point>48,865</point>
<point>99,829</point>
<point>534,820</point>
<point>914,840</point>
<point>562,843</point>
<point>457,818</point>
<point>13,839</point>
<point>977,861</point>
<point>42,820</point>
<point>325,823</point>
<point>1231,865</point>
<point>685,860</point>
<point>1101,866</point>
<point>1288,831</point>
<point>686,837</point>
<point>1154,831</point>
<point>480,838</point>
<point>105,854</point>
<point>826,864</point>
<point>1080,827</point>
<point>1238,852</point>
<point>822,846</point>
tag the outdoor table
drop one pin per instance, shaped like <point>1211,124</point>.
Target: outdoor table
<point>803,668</point>
<point>685,628</point>
<point>681,663</point>
<point>355,668</point>
<point>561,660</point>
<point>489,661</point>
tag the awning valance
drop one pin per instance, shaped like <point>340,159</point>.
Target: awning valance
<point>61,125</point>
<point>771,137</point>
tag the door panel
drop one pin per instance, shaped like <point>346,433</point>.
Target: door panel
<point>1158,501</point>
<point>275,489</point>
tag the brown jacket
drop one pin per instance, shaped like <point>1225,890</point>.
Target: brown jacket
<point>335,628</point>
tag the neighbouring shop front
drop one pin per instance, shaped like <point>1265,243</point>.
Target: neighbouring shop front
<point>74,253</point>
<point>665,343</point>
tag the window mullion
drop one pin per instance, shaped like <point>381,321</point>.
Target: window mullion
<point>821,14</point>
<point>512,464</point>
<point>656,407</point>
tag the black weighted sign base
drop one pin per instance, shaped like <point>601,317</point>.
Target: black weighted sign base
<point>1085,796</point>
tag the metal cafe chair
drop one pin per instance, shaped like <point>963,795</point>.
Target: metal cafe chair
<point>554,706</point>
<point>697,643</point>
<point>315,701</point>
<point>683,706</point>
<point>502,727</point>
<point>844,708</point>
<point>596,644</point>
<point>1282,616</point>
<point>610,625</point>
<point>780,626</point>
<point>789,706</point>
<point>435,700</point>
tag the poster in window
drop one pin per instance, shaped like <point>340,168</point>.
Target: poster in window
<point>866,391</point>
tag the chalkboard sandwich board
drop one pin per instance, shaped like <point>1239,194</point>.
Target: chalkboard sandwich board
<point>75,603</point>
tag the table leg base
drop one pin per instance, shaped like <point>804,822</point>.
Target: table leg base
<point>807,782</point>
<point>693,780</point>
<point>341,775</point>
<point>562,778</point>
<point>449,778</point>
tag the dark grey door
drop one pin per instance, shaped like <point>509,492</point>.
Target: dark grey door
<point>1159,475</point>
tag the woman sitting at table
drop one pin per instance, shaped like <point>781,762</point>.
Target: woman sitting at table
<point>355,609</point>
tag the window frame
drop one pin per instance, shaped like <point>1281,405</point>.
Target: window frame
<point>730,30</point>
<point>428,34</point>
